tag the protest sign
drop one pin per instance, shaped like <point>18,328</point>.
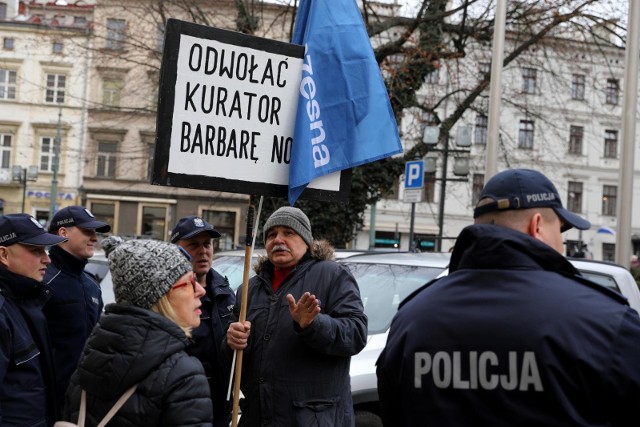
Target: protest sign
<point>226,114</point>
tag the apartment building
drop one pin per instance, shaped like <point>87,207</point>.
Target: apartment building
<point>43,84</point>
<point>561,113</point>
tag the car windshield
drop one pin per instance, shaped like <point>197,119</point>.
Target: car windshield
<point>232,267</point>
<point>601,279</point>
<point>384,286</point>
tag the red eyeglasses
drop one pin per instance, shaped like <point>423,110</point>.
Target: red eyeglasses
<point>192,282</point>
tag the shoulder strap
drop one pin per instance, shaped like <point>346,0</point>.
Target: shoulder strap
<point>116,407</point>
<point>83,409</point>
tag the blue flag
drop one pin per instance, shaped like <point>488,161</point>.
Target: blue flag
<point>344,117</point>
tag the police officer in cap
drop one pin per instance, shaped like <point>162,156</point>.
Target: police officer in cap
<point>514,335</point>
<point>195,235</point>
<point>76,302</point>
<point>27,372</point>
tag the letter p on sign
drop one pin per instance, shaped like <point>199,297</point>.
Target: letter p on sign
<point>414,174</point>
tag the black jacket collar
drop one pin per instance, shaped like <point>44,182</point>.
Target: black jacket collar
<point>490,246</point>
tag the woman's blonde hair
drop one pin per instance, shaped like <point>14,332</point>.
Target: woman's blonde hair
<point>164,308</point>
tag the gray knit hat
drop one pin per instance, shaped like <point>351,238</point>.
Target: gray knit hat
<point>293,218</point>
<point>143,271</point>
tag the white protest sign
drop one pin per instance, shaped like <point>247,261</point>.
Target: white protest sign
<point>227,113</point>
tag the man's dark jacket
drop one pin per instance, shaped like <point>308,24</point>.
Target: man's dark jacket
<point>217,306</point>
<point>27,378</point>
<point>513,336</point>
<point>72,311</point>
<point>300,377</point>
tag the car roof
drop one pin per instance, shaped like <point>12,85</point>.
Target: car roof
<point>422,259</point>
<point>339,253</point>
<point>593,265</point>
<point>239,253</point>
<point>624,280</point>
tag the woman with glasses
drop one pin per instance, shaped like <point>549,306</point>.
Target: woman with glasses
<point>141,340</point>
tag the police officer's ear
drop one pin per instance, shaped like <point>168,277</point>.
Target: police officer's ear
<point>534,224</point>
<point>63,232</point>
<point>4,255</point>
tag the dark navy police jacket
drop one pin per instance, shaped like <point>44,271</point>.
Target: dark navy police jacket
<point>27,392</point>
<point>217,306</point>
<point>72,311</point>
<point>513,336</point>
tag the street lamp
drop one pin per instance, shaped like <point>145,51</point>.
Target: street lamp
<point>54,167</point>
<point>22,175</point>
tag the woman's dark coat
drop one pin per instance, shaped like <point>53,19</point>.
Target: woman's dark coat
<point>131,345</point>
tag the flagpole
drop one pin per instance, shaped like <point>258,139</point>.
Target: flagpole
<point>495,92</point>
<point>625,180</point>
<point>248,253</point>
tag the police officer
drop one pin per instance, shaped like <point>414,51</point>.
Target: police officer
<point>27,376</point>
<point>195,235</point>
<point>76,302</point>
<point>513,336</point>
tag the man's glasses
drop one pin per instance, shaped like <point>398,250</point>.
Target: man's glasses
<point>191,281</point>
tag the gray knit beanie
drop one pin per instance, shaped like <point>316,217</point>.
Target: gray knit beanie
<point>293,218</point>
<point>143,271</point>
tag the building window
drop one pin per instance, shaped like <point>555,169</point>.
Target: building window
<point>529,77</point>
<point>105,212</point>
<point>574,197</point>
<point>57,47</point>
<point>424,242</point>
<point>5,150</point>
<point>154,222</point>
<point>160,28</point>
<point>482,122</point>
<point>610,144</point>
<point>609,252</point>
<point>525,136</point>
<point>577,86</point>
<point>7,43</point>
<point>484,69</point>
<point>576,134</point>
<point>111,93</point>
<point>56,84</point>
<point>47,153</point>
<point>430,118</point>
<point>225,223</point>
<point>8,84</point>
<point>115,34</point>
<point>476,189</point>
<point>433,78</point>
<point>387,239</point>
<point>429,187</point>
<point>151,152</point>
<point>609,198</point>
<point>79,21</point>
<point>613,91</point>
<point>3,10</point>
<point>107,159</point>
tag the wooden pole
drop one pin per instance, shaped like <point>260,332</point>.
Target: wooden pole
<point>243,309</point>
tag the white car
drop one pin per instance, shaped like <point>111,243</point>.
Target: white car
<point>385,280</point>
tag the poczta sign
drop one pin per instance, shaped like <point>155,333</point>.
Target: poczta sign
<point>226,113</point>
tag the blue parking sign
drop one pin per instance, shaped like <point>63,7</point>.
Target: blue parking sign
<point>414,174</point>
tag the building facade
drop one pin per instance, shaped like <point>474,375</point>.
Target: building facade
<point>561,113</point>
<point>79,86</point>
<point>43,84</point>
